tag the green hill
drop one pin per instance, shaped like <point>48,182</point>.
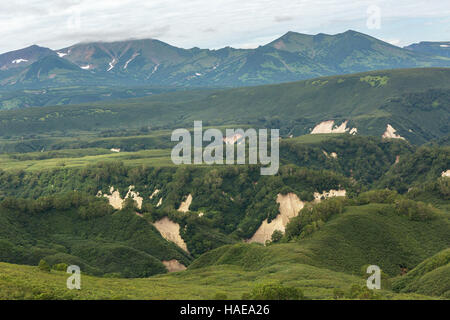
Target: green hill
<point>431,277</point>
<point>361,235</point>
<point>413,101</point>
<point>27,282</point>
<point>83,231</point>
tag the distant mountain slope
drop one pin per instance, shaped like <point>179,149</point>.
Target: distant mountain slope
<point>350,52</point>
<point>414,102</point>
<point>292,57</point>
<point>23,57</point>
<point>436,48</point>
<point>50,71</point>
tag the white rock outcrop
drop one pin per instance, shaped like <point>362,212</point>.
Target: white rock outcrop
<point>329,194</point>
<point>154,193</point>
<point>174,265</point>
<point>290,206</point>
<point>390,133</point>
<point>329,127</point>
<point>116,201</point>
<point>171,232</point>
<point>184,206</point>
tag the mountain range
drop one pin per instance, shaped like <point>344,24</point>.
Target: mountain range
<point>293,56</point>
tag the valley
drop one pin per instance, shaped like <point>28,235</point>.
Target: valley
<point>88,177</point>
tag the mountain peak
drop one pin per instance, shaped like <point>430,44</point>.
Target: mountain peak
<point>23,57</point>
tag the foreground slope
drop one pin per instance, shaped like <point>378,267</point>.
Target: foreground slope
<point>431,277</point>
<point>361,235</point>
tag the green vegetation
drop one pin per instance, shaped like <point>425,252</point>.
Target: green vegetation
<point>80,229</point>
<point>274,292</point>
<point>413,101</point>
<point>55,160</point>
<point>431,277</point>
<point>375,81</point>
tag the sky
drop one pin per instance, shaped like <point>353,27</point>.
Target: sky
<point>216,23</point>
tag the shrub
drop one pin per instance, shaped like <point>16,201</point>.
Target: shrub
<point>275,292</point>
<point>378,196</point>
<point>220,296</point>
<point>44,266</point>
<point>60,267</point>
<point>313,216</point>
<point>338,293</point>
<point>417,211</point>
<point>276,236</point>
<point>361,292</point>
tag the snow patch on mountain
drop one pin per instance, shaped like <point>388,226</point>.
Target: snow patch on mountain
<point>112,64</point>
<point>17,61</point>
<point>131,59</point>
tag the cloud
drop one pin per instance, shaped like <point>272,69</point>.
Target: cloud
<point>283,18</point>
<point>209,30</point>
<point>394,42</point>
<point>202,23</point>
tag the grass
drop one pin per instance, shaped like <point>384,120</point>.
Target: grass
<point>155,158</point>
<point>432,276</point>
<point>373,234</point>
<point>27,282</point>
<point>331,258</point>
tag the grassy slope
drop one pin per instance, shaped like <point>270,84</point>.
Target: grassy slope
<point>153,158</point>
<point>324,261</point>
<point>104,245</point>
<point>363,235</point>
<point>26,282</point>
<point>431,277</point>
<point>371,234</point>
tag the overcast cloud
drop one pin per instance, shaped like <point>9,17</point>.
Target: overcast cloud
<point>213,23</point>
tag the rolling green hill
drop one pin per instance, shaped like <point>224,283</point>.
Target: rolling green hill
<point>42,217</point>
<point>232,282</point>
<point>413,101</point>
<point>361,235</point>
<point>122,244</point>
<point>72,95</point>
<point>431,277</point>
